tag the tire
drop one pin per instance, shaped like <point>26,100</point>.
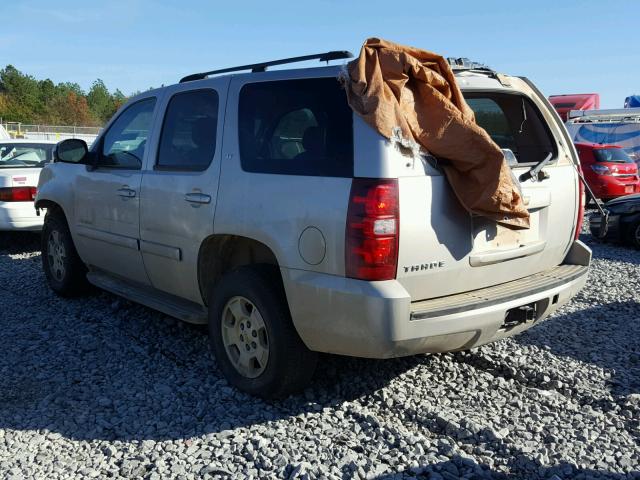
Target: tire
<point>255,294</point>
<point>63,268</point>
<point>595,234</point>
<point>633,234</point>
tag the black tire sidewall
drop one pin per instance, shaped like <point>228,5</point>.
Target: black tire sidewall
<point>66,286</point>
<point>632,236</point>
<point>259,287</point>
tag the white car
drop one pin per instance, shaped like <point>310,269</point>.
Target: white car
<point>20,165</point>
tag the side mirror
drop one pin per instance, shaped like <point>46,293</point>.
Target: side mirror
<point>72,150</point>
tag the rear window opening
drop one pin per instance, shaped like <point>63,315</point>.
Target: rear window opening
<point>514,123</point>
<point>296,127</point>
<point>612,155</point>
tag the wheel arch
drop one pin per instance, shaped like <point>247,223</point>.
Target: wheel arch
<point>47,204</point>
<point>221,253</point>
<point>51,206</point>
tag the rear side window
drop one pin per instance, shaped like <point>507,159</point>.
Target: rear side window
<point>296,127</point>
<point>188,138</point>
<point>614,155</point>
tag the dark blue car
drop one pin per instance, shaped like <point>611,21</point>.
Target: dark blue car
<point>624,221</point>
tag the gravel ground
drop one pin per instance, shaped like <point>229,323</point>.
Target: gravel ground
<point>100,387</point>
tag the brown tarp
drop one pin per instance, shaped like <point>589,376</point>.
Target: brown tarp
<point>413,93</point>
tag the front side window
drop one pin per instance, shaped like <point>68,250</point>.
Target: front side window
<point>188,139</point>
<point>35,155</point>
<point>296,127</point>
<point>124,144</point>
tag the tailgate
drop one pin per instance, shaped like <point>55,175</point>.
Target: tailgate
<point>444,250</point>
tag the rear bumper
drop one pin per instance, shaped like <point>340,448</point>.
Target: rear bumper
<point>609,187</point>
<point>378,320</point>
<point>19,216</point>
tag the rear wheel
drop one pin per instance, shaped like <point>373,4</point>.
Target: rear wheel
<point>254,341</point>
<point>65,272</point>
<point>633,234</point>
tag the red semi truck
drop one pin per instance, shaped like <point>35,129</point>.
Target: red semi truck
<point>575,101</point>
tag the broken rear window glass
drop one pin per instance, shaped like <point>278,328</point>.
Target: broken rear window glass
<point>514,123</point>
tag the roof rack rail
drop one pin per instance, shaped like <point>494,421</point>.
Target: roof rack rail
<point>626,115</point>
<point>261,67</point>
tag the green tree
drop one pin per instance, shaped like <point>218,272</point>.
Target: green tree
<point>27,100</point>
<point>22,93</point>
<point>100,101</point>
<point>68,108</point>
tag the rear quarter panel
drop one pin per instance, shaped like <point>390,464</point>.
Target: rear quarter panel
<point>276,209</point>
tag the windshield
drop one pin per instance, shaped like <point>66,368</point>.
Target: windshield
<point>614,155</point>
<point>34,155</point>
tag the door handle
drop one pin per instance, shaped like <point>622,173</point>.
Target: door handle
<point>197,198</point>
<point>126,192</point>
<point>496,256</point>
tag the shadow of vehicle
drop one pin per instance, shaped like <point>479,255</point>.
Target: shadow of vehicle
<point>19,242</point>
<point>100,367</point>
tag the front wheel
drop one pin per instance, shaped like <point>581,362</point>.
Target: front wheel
<point>63,268</point>
<point>252,336</point>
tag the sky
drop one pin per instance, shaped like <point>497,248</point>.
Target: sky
<point>563,46</point>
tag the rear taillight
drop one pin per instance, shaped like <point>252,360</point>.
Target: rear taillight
<point>373,223</point>
<point>581,202</point>
<point>601,169</point>
<point>18,194</point>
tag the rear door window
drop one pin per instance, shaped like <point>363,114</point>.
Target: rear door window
<point>188,138</point>
<point>296,127</point>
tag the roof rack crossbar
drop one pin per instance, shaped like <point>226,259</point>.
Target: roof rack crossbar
<point>261,67</point>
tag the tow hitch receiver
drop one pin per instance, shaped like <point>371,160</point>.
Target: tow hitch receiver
<point>519,315</point>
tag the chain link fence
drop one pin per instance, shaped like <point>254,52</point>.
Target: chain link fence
<point>50,132</point>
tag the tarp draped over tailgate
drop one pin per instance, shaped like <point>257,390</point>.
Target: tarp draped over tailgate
<point>412,93</point>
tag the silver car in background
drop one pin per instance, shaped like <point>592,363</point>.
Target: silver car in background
<point>260,204</point>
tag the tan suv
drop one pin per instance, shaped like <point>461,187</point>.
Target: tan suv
<point>259,203</point>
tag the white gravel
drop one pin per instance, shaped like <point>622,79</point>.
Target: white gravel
<point>99,387</point>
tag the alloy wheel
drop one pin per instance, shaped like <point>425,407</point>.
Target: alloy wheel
<point>56,255</point>
<point>244,335</point>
